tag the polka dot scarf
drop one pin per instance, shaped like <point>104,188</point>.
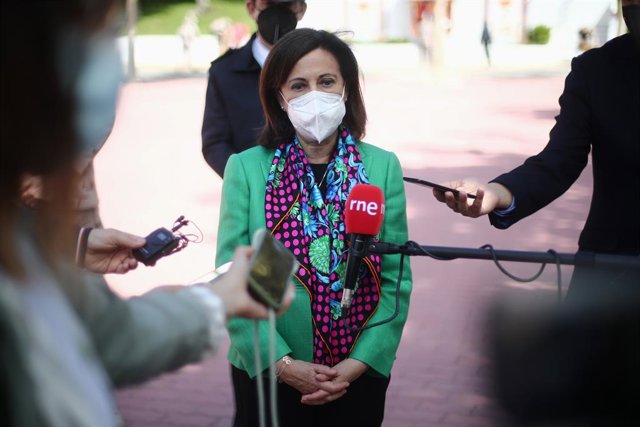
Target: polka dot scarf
<point>312,227</point>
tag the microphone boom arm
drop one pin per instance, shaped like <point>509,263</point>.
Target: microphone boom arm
<point>449,253</point>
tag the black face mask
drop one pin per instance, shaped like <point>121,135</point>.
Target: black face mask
<point>631,15</point>
<point>274,22</point>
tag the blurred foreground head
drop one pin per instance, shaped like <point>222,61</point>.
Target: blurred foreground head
<point>574,365</point>
<point>44,46</point>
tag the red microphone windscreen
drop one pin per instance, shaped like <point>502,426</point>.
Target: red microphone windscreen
<point>364,210</point>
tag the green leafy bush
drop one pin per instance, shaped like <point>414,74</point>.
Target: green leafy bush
<point>539,34</point>
<point>165,16</point>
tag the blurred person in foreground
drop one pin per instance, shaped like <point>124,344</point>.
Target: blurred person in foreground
<point>94,96</point>
<point>93,122</point>
<point>599,113</point>
<point>296,183</point>
<point>64,343</point>
<point>233,115</point>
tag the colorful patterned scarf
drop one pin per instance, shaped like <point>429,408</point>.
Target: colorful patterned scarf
<point>313,229</point>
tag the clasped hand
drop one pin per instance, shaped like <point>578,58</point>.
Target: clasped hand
<point>321,384</point>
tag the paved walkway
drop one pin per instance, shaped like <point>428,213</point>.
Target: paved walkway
<point>442,126</point>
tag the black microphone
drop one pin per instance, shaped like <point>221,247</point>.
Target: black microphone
<point>363,219</point>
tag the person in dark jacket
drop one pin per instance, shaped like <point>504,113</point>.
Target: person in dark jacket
<point>599,113</point>
<point>582,357</point>
<point>232,114</point>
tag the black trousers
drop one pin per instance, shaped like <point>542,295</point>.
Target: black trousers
<point>362,405</point>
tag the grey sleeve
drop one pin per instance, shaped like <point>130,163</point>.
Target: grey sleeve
<point>140,337</point>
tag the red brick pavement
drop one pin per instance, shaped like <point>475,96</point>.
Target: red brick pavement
<point>151,171</point>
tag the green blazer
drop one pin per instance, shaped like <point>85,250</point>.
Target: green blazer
<point>242,213</point>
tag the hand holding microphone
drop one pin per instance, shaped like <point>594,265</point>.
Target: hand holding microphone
<point>364,213</point>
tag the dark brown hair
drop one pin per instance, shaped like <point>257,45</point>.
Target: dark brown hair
<point>283,57</point>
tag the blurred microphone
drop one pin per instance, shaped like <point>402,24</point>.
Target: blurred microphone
<point>363,219</point>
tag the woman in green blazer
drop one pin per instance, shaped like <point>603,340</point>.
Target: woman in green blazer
<point>295,183</point>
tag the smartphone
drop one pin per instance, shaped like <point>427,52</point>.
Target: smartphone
<point>270,268</point>
<point>436,186</point>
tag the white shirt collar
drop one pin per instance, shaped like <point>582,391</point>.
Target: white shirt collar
<point>260,51</point>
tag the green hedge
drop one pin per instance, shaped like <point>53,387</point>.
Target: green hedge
<point>165,16</point>
<point>539,34</point>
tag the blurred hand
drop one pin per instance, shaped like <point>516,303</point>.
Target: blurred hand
<point>348,371</point>
<point>319,382</point>
<point>31,191</point>
<point>109,251</point>
<point>488,198</point>
<point>232,288</point>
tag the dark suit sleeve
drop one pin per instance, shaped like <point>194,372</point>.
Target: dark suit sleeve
<point>216,130</point>
<point>547,175</point>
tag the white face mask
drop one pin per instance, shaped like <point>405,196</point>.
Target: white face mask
<point>316,115</point>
